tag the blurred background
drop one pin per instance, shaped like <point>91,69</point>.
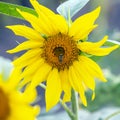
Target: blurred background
<point>107,94</point>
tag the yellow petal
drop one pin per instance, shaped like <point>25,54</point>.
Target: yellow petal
<point>77,84</point>
<point>102,51</point>
<point>36,110</point>
<point>32,68</point>
<point>88,45</point>
<point>100,43</point>
<point>41,74</point>
<point>25,110</point>
<point>94,48</point>
<point>67,96</point>
<point>27,57</point>
<point>29,94</point>
<point>57,24</point>
<point>25,81</point>
<point>53,22</point>
<point>73,79</point>
<point>53,89</point>
<point>14,78</point>
<point>93,68</point>
<point>83,24</point>
<point>84,34</point>
<point>60,24</point>
<point>1,79</point>
<point>84,75</point>
<point>46,16</point>
<point>25,62</point>
<point>66,87</point>
<point>25,46</point>
<point>93,95</point>
<point>39,24</point>
<point>48,19</point>
<point>26,32</point>
<point>40,9</point>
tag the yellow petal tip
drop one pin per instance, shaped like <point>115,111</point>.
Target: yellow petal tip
<point>97,11</point>
<point>104,79</point>
<point>9,27</point>
<point>85,104</point>
<point>98,8</point>
<point>18,10</point>
<point>48,108</point>
<point>93,96</point>
<point>117,46</point>
<point>106,37</point>
<point>9,51</point>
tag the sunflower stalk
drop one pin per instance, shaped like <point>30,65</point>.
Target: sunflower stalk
<point>67,109</point>
<point>74,104</point>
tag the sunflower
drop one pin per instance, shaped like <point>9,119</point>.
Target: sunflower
<point>15,105</point>
<point>56,51</point>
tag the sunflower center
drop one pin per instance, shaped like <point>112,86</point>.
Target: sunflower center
<point>60,51</point>
<point>4,106</point>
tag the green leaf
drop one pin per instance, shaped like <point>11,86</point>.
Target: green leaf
<point>112,42</point>
<point>72,7</point>
<point>11,10</point>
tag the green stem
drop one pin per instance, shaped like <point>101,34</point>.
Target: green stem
<point>69,18</point>
<point>74,102</point>
<point>112,115</point>
<point>67,109</point>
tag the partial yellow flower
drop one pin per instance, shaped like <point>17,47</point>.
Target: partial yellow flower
<point>15,105</point>
<point>54,53</point>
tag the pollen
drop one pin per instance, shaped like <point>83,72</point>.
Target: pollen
<point>60,51</point>
<point>4,106</point>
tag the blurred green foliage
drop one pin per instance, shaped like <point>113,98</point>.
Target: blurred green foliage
<point>107,94</point>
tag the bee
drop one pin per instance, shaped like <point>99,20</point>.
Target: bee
<point>59,52</point>
<point>60,58</point>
